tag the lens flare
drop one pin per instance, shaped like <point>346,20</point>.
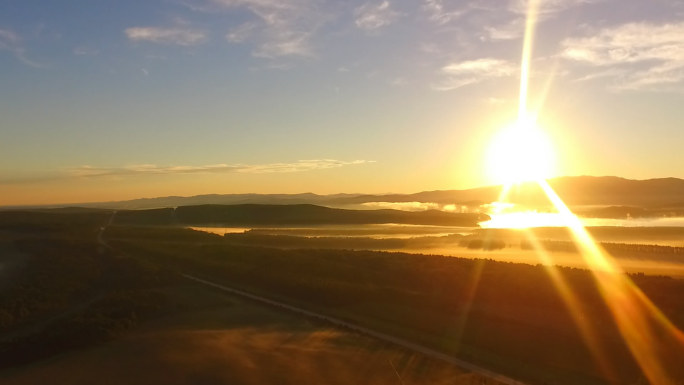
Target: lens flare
<point>520,153</point>
<point>642,325</point>
<point>530,23</point>
<point>575,308</point>
<point>523,153</point>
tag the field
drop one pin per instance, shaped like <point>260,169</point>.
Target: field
<point>218,339</point>
<point>85,298</point>
<point>481,310</point>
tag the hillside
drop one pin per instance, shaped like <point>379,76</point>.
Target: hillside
<point>661,196</point>
<point>250,214</point>
<point>580,190</point>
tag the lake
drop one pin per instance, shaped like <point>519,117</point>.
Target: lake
<point>449,241</point>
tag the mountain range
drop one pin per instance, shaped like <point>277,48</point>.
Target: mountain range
<point>607,196</point>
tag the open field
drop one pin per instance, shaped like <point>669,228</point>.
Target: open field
<point>220,339</point>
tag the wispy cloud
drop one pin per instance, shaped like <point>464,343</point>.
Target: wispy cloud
<point>546,7</point>
<point>440,13</point>
<point>280,28</point>
<point>609,73</point>
<point>289,44</point>
<point>641,55</point>
<point>184,36</point>
<point>241,33</point>
<point>148,169</point>
<point>12,42</point>
<point>496,101</point>
<point>374,15</point>
<point>8,39</point>
<point>463,73</point>
<point>151,170</point>
<point>398,81</point>
<point>510,30</point>
<point>85,51</point>
<point>508,22</point>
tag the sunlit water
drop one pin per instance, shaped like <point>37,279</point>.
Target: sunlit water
<point>376,231</point>
<point>221,230</point>
<point>512,252</point>
<point>534,219</point>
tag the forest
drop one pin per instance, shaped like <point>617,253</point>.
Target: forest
<point>506,316</point>
<point>260,214</point>
<point>74,280</point>
<point>61,290</point>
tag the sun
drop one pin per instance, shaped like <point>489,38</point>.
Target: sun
<point>521,152</point>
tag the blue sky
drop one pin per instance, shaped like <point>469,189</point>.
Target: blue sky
<point>105,100</point>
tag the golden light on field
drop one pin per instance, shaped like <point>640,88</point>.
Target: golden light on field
<point>644,328</point>
<point>522,153</point>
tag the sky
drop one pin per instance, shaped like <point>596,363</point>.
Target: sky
<point>113,100</point>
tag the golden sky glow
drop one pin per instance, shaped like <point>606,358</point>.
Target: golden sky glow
<point>149,100</point>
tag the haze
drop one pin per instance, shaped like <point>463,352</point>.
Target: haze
<point>101,102</point>
<point>308,191</point>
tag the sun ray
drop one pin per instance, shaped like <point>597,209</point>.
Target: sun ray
<point>471,290</point>
<point>575,308</point>
<point>530,23</point>
<point>643,327</point>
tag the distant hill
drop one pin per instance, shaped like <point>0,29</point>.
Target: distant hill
<point>221,199</point>
<point>660,194</point>
<point>270,215</point>
<point>609,190</point>
<point>475,196</point>
<point>645,197</point>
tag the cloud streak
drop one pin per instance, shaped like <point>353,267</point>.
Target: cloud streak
<point>460,74</point>
<point>11,42</point>
<point>371,16</point>
<point>281,28</point>
<point>152,170</point>
<point>510,30</point>
<point>170,36</point>
<point>641,55</point>
<point>439,14</point>
<point>547,7</point>
<point>267,168</point>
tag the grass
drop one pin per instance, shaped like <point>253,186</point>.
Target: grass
<point>214,338</point>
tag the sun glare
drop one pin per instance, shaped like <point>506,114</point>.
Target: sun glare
<point>523,220</point>
<point>521,152</point>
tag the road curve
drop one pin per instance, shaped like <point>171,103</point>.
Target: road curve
<point>362,330</point>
